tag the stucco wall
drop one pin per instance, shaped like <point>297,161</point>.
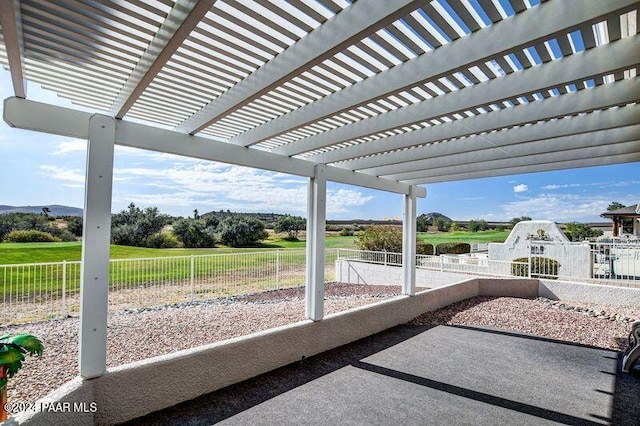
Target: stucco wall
<point>574,259</point>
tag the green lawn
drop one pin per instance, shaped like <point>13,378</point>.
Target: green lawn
<point>464,237</point>
<point>16,253</point>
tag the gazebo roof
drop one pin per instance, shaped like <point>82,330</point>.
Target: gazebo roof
<point>630,211</point>
<point>387,94</point>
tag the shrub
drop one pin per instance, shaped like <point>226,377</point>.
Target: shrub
<point>387,238</point>
<point>133,226</point>
<point>443,225</point>
<point>74,225</point>
<point>424,248</point>
<point>239,231</point>
<point>580,232</point>
<point>478,225</point>
<point>453,248</point>
<point>162,240</point>
<point>381,238</point>
<point>194,233</point>
<point>30,237</point>
<point>541,267</point>
<point>290,225</point>
<point>347,231</point>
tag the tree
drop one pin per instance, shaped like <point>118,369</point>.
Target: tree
<point>422,223</point>
<point>74,225</point>
<point>239,231</point>
<point>615,206</point>
<point>580,232</point>
<point>443,225</point>
<point>519,219</point>
<point>133,226</point>
<point>290,225</point>
<point>46,211</point>
<point>194,233</point>
<point>478,225</point>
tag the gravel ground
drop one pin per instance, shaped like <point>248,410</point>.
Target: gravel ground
<point>138,334</point>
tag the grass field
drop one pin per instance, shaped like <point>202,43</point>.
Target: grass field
<point>464,237</point>
<point>17,253</point>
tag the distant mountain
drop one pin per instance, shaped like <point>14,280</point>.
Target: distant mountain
<point>54,210</point>
<point>430,217</point>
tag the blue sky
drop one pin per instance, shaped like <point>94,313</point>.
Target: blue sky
<point>40,169</point>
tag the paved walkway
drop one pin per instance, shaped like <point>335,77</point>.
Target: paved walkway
<point>439,375</point>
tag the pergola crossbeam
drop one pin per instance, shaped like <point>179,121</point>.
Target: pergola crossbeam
<point>537,24</point>
<point>11,22</point>
<point>573,68</point>
<point>360,156</point>
<point>602,141</point>
<point>183,18</point>
<point>46,118</point>
<point>346,28</point>
<point>511,141</point>
<point>547,163</point>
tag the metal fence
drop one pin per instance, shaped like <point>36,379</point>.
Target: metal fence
<point>38,291</point>
<point>606,263</point>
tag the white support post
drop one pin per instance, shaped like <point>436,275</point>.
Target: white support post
<point>94,285</point>
<point>409,244</point>
<point>316,215</point>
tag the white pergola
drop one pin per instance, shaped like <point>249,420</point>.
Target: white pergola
<point>376,93</point>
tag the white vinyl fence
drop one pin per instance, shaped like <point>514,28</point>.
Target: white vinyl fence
<point>39,291</point>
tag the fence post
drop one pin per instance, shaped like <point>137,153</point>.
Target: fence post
<point>192,283</point>
<point>277,269</point>
<point>385,257</point>
<point>442,263</point>
<point>64,288</point>
<point>529,262</point>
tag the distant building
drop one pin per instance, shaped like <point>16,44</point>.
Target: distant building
<point>626,221</point>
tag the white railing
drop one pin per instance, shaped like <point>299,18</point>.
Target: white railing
<point>38,291</point>
<point>377,257</point>
<point>601,262</point>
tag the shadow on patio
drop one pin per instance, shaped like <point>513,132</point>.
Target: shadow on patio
<point>430,375</point>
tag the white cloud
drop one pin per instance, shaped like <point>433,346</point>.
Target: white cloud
<point>214,186</point>
<point>72,145</point>
<point>520,188</point>
<point>552,187</point>
<point>561,207</point>
<point>70,176</point>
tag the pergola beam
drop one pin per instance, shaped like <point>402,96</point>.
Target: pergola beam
<point>182,19</point>
<point>11,22</point>
<point>604,96</point>
<point>606,140</point>
<point>346,28</point>
<point>51,119</point>
<point>536,25</point>
<point>576,67</point>
<point>525,140</point>
<point>629,152</point>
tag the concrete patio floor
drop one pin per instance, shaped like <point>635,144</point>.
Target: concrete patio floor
<point>419,375</point>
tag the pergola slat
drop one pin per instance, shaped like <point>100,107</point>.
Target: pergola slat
<point>335,34</point>
<point>575,67</point>
<point>538,24</point>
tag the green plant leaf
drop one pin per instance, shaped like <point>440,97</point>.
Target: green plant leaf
<point>10,355</point>
<point>30,343</point>
<point>3,383</point>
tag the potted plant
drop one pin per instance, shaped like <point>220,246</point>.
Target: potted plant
<point>12,353</point>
